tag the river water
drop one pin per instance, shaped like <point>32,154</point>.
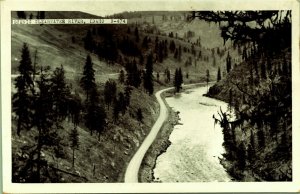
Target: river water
<point>196,142</point>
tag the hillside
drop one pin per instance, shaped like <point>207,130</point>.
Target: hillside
<point>130,48</point>
<point>102,160</point>
<point>257,125</point>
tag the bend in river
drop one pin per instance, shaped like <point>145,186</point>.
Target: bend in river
<point>196,142</point>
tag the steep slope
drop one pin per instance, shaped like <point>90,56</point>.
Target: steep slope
<point>102,160</point>
<point>258,134</point>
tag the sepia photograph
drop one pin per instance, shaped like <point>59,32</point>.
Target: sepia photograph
<point>150,95</point>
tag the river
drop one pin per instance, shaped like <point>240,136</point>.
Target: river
<point>196,142</point>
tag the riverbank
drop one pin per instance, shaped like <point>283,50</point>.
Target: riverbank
<point>159,146</point>
<point>161,143</point>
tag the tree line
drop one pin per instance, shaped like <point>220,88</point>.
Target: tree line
<point>261,98</point>
<point>44,101</point>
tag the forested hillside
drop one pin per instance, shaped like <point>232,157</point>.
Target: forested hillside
<point>257,125</point>
<point>82,95</point>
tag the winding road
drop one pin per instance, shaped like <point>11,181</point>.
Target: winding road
<point>131,174</point>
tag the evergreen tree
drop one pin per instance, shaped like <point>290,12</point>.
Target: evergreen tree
<point>263,74</point>
<point>42,14</point>
<point>43,118</point>
<point>145,42</point>
<point>148,77</point>
<point>122,76</point>
<point>34,64</point>
<point>178,80</point>
<point>116,110</point>
<point>60,94</point>
<point>139,115</point>
<point>133,74</point>
<point>241,153</point>
<point>244,55</point>
<point>261,138</point>
<point>207,78</point>
<point>214,61</point>
<point>74,142</point>
<point>172,46</point>
<point>136,33</point>
<point>127,95</point>
<point>228,63</point>
<point>179,53</point>
<point>21,14</point>
<point>122,103</point>
<point>176,54</point>
<point>75,107</point>
<point>110,90</point>
<point>95,118</point>
<point>22,99</point>
<point>219,74</point>
<point>87,82</point>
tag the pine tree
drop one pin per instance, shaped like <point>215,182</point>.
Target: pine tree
<point>22,99</point>
<point>263,74</point>
<point>148,77</point>
<point>219,74</point>
<point>261,138</point>
<point>75,107</point>
<point>228,63</point>
<point>172,46</point>
<point>178,79</point>
<point>139,115</point>
<point>110,90</point>
<point>95,118</point>
<point>116,110</point>
<point>207,78</point>
<point>42,15</point>
<point>87,82</point>
<point>74,143</point>
<point>127,94</point>
<point>43,118</point>
<point>145,42</point>
<point>214,61</point>
<point>241,152</point>
<point>176,54</point>
<point>21,14</point>
<point>136,33</point>
<point>122,103</point>
<point>122,76</point>
<point>60,94</point>
<point>179,53</point>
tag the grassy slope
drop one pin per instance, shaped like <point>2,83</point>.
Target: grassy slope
<point>111,154</point>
